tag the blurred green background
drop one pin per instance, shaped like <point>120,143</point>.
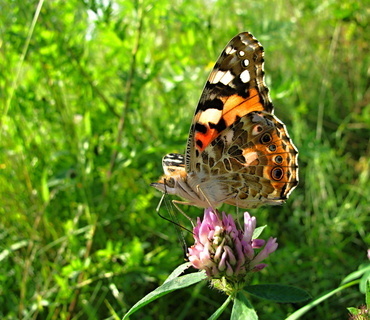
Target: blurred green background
<point>94,93</point>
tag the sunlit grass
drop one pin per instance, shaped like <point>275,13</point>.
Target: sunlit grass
<point>80,237</point>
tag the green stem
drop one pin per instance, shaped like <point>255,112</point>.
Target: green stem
<point>221,309</point>
<point>21,60</point>
<point>314,303</point>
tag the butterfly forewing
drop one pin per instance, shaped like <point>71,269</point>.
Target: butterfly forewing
<point>234,88</point>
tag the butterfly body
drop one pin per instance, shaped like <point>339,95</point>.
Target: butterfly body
<point>238,152</point>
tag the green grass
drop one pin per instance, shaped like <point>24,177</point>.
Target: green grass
<point>105,91</point>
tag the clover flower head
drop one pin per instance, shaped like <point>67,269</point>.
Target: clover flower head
<point>227,253</point>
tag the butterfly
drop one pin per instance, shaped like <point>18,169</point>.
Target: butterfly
<point>238,152</point>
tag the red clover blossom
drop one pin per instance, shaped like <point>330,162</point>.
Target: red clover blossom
<point>226,253</point>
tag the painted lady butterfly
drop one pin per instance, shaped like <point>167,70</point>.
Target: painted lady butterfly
<point>238,152</point>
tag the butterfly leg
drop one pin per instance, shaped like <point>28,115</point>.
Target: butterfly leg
<point>199,189</point>
<point>160,203</point>
<point>176,202</point>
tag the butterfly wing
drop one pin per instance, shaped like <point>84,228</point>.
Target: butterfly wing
<point>252,162</point>
<point>235,140</point>
<point>234,88</point>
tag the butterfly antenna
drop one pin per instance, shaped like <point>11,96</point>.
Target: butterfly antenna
<point>175,221</point>
<point>179,229</point>
<point>170,211</point>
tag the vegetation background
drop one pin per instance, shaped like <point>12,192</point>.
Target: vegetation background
<point>94,93</point>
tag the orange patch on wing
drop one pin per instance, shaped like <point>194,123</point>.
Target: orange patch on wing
<point>205,138</point>
<point>236,105</point>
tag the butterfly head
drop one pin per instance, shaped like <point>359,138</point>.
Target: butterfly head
<point>165,184</point>
<point>174,171</point>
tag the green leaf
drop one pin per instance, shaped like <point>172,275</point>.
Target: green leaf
<point>220,310</point>
<point>258,231</point>
<point>356,274</point>
<point>353,311</point>
<point>167,287</point>
<point>242,308</point>
<point>298,313</point>
<point>180,269</point>
<point>364,285</point>
<point>44,186</point>
<point>363,273</point>
<point>278,293</point>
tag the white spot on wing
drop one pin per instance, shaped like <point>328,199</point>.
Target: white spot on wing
<point>245,76</point>
<point>216,76</point>
<point>210,115</point>
<point>250,157</point>
<point>229,136</point>
<point>257,130</point>
<point>227,78</point>
<point>245,62</point>
<point>230,50</point>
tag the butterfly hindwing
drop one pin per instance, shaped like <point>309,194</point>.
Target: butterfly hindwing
<point>253,161</point>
